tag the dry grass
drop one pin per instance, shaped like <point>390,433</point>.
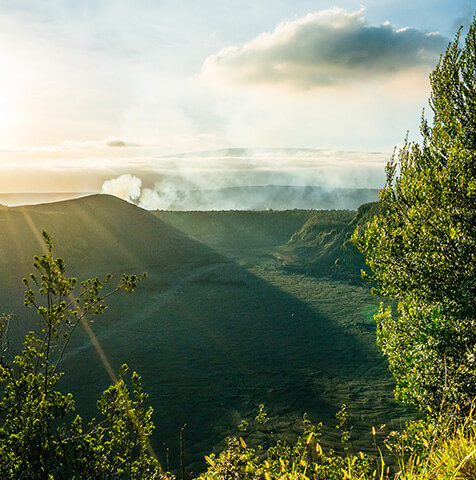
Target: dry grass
<point>450,459</point>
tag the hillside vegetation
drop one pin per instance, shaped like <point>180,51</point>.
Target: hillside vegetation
<point>323,246</point>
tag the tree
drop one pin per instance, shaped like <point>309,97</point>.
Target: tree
<point>421,247</point>
<point>39,437</point>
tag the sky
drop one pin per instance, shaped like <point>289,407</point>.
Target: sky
<point>202,94</point>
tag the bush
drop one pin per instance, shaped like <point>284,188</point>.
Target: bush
<point>421,247</point>
<point>39,438</point>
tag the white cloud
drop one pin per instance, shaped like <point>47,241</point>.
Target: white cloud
<point>154,179</point>
<point>325,48</point>
<point>69,146</point>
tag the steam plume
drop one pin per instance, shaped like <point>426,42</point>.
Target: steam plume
<point>127,187</point>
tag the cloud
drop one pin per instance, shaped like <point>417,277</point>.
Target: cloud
<point>325,48</point>
<point>116,143</point>
<point>153,180</point>
<point>69,146</point>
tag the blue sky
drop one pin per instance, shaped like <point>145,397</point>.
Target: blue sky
<point>90,90</point>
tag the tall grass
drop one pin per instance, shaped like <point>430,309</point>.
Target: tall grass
<point>442,451</point>
<point>451,457</point>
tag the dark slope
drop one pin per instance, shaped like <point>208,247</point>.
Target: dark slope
<point>100,231</point>
<point>323,245</point>
<point>95,235</point>
<point>237,229</point>
<point>215,342</point>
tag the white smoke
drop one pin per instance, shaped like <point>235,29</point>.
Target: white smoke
<point>152,200</point>
<point>247,179</point>
<point>169,196</point>
<point>127,186</point>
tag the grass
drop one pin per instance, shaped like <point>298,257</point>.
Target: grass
<point>447,457</point>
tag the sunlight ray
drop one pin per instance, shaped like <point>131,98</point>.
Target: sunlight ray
<point>12,233</point>
<point>33,228</point>
<point>97,346</point>
<point>103,233</point>
<point>105,361</point>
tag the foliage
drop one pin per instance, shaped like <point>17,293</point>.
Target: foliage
<point>438,451</point>
<point>425,450</point>
<point>344,426</point>
<point>39,438</point>
<point>421,247</point>
<point>302,459</point>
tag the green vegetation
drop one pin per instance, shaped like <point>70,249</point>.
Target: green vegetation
<point>323,245</point>
<point>39,437</point>
<point>421,247</point>
<point>283,460</point>
<point>449,457</point>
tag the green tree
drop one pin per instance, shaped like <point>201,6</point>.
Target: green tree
<point>421,246</point>
<point>39,437</point>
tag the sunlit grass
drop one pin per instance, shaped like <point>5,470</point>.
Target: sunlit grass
<point>448,457</point>
<point>452,458</point>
